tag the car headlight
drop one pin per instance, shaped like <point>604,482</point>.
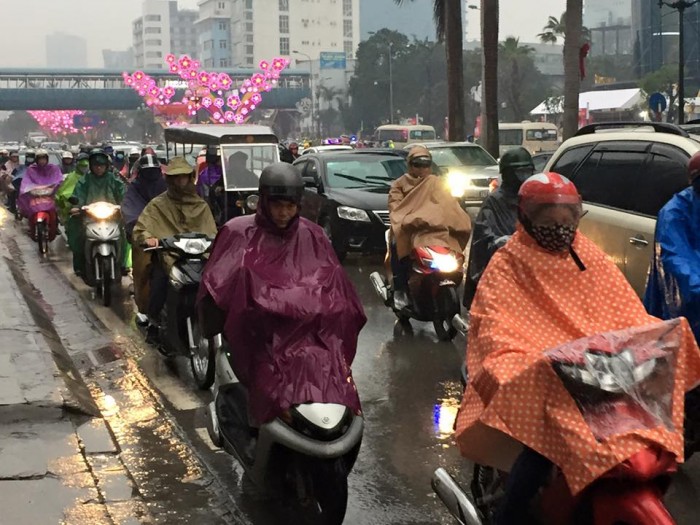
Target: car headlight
<point>352,214</point>
<point>102,210</point>
<point>444,263</point>
<point>457,183</point>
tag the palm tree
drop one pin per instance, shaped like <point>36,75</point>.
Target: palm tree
<point>489,75</point>
<point>554,30</point>
<point>572,74</point>
<point>513,54</point>
<point>448,22</point>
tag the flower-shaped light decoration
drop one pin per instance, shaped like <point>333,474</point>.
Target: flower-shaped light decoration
<point>211,91</point>
<point>58,123</point>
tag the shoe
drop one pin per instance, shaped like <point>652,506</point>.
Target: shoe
<point>153,335</point>
<point>141,319</point>
<point>401,300</point>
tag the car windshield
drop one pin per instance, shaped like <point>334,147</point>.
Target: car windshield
<point>541,134</point>
<point>455,156</point>
<point>363,172</point>
<point>244,163</point>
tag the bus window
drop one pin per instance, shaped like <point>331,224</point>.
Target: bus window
<point>510,137</point>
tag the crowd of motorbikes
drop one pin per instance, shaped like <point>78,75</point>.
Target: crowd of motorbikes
<point>308,453</point>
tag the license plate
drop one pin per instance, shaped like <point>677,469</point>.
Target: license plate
<point>484,193</point>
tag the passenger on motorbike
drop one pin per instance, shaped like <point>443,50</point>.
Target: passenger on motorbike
<point>99,184</point>
<point>423,212</point>
<point>66,189</point>
<point>547,286</point>
<point>497,217</point>
<point>41,174</point>
<point>274,286</point>
<point>67,162</point>
<point>178,210</point>
<point>8,172</point>
<point>128,170</point>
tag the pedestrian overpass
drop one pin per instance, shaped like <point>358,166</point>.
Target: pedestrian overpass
<point>104,89</point>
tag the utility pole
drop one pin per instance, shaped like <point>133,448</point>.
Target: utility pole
<point>391,83</point>
<point>680,6</point>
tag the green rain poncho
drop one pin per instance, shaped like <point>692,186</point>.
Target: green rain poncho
<point>65,191</point>
<point>89,189</point>
<point>175,211</point>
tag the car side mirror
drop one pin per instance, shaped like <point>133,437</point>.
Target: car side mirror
<point>310,182</point>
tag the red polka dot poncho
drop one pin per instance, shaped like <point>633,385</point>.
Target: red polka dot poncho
<point>530,301</point>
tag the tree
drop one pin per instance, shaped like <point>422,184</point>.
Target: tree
<point>521,84</point>
<point>555,29</point>
<point>328,99</point>
<point>448,22</point>
<point>17,125</point>
<point>489,75</point>
<point>572,74</point>
<point>664,81</point>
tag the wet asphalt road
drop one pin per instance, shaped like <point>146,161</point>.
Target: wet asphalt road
<point>408,383</point>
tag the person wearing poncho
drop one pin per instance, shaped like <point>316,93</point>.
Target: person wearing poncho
<point>99,184</point>
<point>273,285</point>
<point>42,174</point>
<point>547,286</point>
<point>65,191</point>
<point>178,210</point>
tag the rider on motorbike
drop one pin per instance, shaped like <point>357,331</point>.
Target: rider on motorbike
<point>39,174</point>
<point>497,217</point>
<point>178,210</point>
<point>423,212</point>
<point>8,172</point>
<point>65,190</point>
<point>99,184</point>
<point>547,286</point>
<point>274,286</point>
<point>67,162</point>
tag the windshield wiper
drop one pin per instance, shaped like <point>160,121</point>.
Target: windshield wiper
<point>359,179</point>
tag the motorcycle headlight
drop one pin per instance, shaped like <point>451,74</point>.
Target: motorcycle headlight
<point>353,214</point>
<point>457,183</point>
<point>252,202</point>
<point>102,210</point>
<point>193,246</point>
<point>444,263</point>
<point>42,192</point>
<point>613,373</point>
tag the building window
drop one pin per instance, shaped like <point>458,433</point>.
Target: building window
<point>249,15</point>
<point>249,27</point>
<point>152,31</point>
<point>249,4</point>
<point>152,18</point>
<point>223,26</point>
<point>284,5</point>
<point>222,5</point>
<point>284,24</point>
<point>347,8</point>
<point>249,39</point>
<point>249,61</point>
<point>223,44</point>
<point>154,42</point>
<point>249,50</point>
<point>347,28</point>
<point>284,45</point>
<point>153,54</point>
<point>348,48</point>
<point>223,62</point>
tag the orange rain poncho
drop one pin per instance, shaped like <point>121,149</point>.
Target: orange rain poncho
<point>530,301</point>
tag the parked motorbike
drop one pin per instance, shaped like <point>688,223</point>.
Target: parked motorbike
<point>179,328</point>
<point>608,389</point>
<point>43,212</point>
<point>306,454</point>
<point>432,289</point>
<point>103,247</point>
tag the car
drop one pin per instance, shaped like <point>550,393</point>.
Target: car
<point>53,146</point>
<point>327,147</point>
<point>626,172</point>
<point>347,194</point>
<point>540,160</point>
<point>468,167</point>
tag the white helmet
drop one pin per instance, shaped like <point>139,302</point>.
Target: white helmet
<point>41,153</point>
<point>67,155</point>
<point>134,151</point>
<point>148,161</point>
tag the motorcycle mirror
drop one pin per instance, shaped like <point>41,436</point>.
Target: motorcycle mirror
<point>73,200</point>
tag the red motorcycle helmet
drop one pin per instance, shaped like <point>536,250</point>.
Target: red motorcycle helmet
<point>694,167</point>
<point>547,188</point>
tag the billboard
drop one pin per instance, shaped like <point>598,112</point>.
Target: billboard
<point>333,60</point>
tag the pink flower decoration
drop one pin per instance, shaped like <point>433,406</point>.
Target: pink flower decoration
<point>170,58</point>
<point>219,102</point>
<point>206,102</point>
<point>229,116</point>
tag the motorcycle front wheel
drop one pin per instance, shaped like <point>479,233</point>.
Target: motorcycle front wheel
<point>106,285</point>
<point>446,307</point>
<point>202,357</point>
<point>42,238</point>
<point>328,491</point>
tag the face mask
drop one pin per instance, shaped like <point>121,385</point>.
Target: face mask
<point>556,238</point>
<point>83,167</point>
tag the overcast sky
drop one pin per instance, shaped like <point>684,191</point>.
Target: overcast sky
<point>106,24</point>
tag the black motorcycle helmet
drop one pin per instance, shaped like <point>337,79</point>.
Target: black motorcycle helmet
<point>98,156</point>
<point>281,181</point>
<point>516,167</point>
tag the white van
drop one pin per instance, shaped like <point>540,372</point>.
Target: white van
<point>401,135</point>
<point>536,137</point>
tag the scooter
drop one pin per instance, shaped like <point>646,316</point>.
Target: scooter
<point>43,211</point>
<point>306,454</point>
<point>432,289</point>
<point>103,248</point>
<point>179,329</point>
<point>630,494</point>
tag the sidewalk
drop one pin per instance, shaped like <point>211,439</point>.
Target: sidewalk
<point>59,463</point>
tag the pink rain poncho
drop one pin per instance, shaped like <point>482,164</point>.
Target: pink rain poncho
<point>292,315</point>
<point>36,177</point>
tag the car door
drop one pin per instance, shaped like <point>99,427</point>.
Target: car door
<point>608,179</point>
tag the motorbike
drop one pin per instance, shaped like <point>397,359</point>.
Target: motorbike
<point>432,289</point>
<point>607,387</point>
<point>43,212</point>
<point>179,328</point>
<point>306,454</point>
<point>103,247</point>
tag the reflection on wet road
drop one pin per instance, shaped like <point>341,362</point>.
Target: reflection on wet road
<point>408,383</point>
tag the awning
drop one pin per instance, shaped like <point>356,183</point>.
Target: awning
<point>614,100</point>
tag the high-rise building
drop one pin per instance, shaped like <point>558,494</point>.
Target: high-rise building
<point>610,24</point>
<point>264,29</point>
<point>123,60</point>
<point>214,33</point>
<point>162,29</point>
<point>63,50</point>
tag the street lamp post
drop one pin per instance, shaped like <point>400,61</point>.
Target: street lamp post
<point>680,6</point>
<point>311,87</point>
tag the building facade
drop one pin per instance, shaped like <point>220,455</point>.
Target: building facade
<point>66,51</point>
<point>183,34</point>
<point>123,60</point>
<point>213,28</point>
<point>610,24</point>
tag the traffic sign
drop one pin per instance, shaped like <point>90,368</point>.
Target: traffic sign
<point>657,102</point>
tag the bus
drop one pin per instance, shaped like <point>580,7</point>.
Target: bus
<point>536,137</point>
<point>401,135</point>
